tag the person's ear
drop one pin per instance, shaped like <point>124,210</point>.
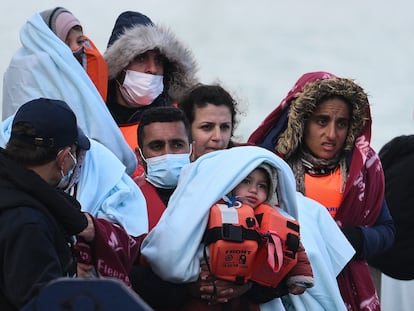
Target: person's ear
<point>62,156</point>
<point>138,155</point>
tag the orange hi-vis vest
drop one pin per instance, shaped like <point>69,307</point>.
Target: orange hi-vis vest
<point>277,252</point>
<point>233,241</point>
<point>326,190</point>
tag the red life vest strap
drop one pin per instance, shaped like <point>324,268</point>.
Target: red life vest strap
<point>274,249</point>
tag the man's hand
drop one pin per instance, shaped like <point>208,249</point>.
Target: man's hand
<point>215,290</point>
<point>89,232</point>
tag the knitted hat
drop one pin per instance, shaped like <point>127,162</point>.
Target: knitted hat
<point>64,23</point>
<point>272,174</point>
<point>60,21</point>
<point>125,21</point>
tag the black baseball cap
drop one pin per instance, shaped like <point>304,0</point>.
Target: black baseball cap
<point>54,122</point>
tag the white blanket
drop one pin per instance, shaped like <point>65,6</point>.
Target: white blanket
<point>45,67</point>
<point>174,248</point>
<point>106,191</point>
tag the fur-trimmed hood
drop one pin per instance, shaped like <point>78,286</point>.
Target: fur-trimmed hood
<point>304,104</point>
<point>180,72</point>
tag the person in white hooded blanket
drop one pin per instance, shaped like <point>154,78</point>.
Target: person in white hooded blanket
<point>46,67</point>
<point>174,247</point>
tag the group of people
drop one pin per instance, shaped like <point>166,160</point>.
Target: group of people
<point>128,152</point>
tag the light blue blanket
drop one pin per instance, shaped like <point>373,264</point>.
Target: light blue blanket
<point>45,67</point>
<point>174,248</point>
<point>104,189</point>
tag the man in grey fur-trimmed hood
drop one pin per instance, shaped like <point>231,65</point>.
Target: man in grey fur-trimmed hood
<point>147,67</point>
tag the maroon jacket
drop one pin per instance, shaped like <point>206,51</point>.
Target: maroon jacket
<point>112,252</point>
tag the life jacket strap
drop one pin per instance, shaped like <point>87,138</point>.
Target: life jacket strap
<point>292,245</point>
<point>229,232</point>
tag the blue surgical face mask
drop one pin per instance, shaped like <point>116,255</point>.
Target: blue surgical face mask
<point>66,178</point>
<point>163,171</point>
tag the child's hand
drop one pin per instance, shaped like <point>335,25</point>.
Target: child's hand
<point>296,289</point>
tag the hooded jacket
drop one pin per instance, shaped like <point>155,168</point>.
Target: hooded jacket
<point>134,34</point>
<point>304,104</point>
<point>363,214</point>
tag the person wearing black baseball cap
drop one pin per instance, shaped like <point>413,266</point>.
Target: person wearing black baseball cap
<point>99,180</point>
<point>54,128</point>
<point>36,218</point>
<point>54,122</point>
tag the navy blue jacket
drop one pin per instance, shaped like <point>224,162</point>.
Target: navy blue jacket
<point>397,157</point>
<point>36,223</point>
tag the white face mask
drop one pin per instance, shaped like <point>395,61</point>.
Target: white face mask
<point>140,89</point>
<point>64,181</point>
<point>163,171</point>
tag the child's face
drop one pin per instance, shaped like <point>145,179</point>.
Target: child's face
<point>75,39</point>
<point>253,189</point>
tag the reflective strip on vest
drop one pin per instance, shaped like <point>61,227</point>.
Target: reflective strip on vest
<point>228,215</point>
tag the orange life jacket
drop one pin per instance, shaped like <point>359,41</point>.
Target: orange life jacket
<point>232,241</point>
<point>251,244</point>
<point>277,252</point>
<point>96,67</point>
<point>130,133</point>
